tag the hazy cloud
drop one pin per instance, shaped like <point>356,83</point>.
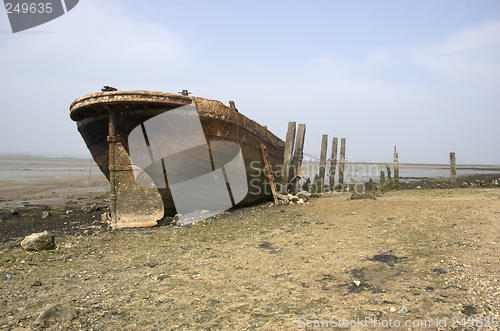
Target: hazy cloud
<point>472,53</point>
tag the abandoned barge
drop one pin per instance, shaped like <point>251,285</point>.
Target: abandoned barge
<point>110,121</point>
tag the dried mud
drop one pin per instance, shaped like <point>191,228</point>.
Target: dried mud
<point>409,255</point>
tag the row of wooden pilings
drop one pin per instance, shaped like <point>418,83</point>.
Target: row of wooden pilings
<point>294,151</point>
<point>391,183</point>
<point>395,184</point>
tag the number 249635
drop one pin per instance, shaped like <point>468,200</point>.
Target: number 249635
<point>29,8</point>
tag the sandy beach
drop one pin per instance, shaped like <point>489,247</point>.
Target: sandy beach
<point>415,256</point>
<point>426,254</point>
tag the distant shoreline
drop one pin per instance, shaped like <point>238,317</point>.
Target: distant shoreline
<point>445,165</point>
<point>495,167</point>
<point>29,156</point>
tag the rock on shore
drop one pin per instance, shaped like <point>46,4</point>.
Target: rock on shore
<point>57,313</point>
<point>39,241</point>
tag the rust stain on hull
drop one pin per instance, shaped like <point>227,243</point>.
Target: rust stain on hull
<point>135,206</point>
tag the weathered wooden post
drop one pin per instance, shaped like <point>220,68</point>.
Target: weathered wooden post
<point>396,169</point>
<point>315,185</point>
<point>333,164</point>
<point>269,170</point>
<point>453,169</point>
<point>307,185</point>
<point>369,185</point>
<point>297,157</point>
<point>389,179</point>
<point>382,181</point>
<point>322,163</point>
<point>285,171</point>
<point>341,163</point>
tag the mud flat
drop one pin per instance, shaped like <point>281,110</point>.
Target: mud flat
<point>410,255</point>
<point>52,181</point>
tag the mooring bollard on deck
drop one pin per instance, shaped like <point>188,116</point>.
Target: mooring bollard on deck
<point>453,169</point>
<point>322,163</point>
<point>341,164</point>
<point>333,164</point>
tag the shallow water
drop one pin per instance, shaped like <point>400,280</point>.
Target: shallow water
<point>30,169</point>
<point>34,168</point>
<point>47,180</point>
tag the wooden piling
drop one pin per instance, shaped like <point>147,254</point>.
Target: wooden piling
<point>396,169</point>
<point>316,185</point>
<point>333,164</point>
<point>269,170</point>
<point>453,169</point>
<point>382,181</point>
<point>390,184</point>
<point>369,185</point>
<point>285,171</point>
<point>297,157</point>
<point>322,163</point>
<point>307,185</point>
<point>341,164</point>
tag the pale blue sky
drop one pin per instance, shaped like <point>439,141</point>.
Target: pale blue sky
<point>422,75</point>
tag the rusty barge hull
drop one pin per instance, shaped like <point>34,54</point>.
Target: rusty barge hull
<point>219,123</point>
